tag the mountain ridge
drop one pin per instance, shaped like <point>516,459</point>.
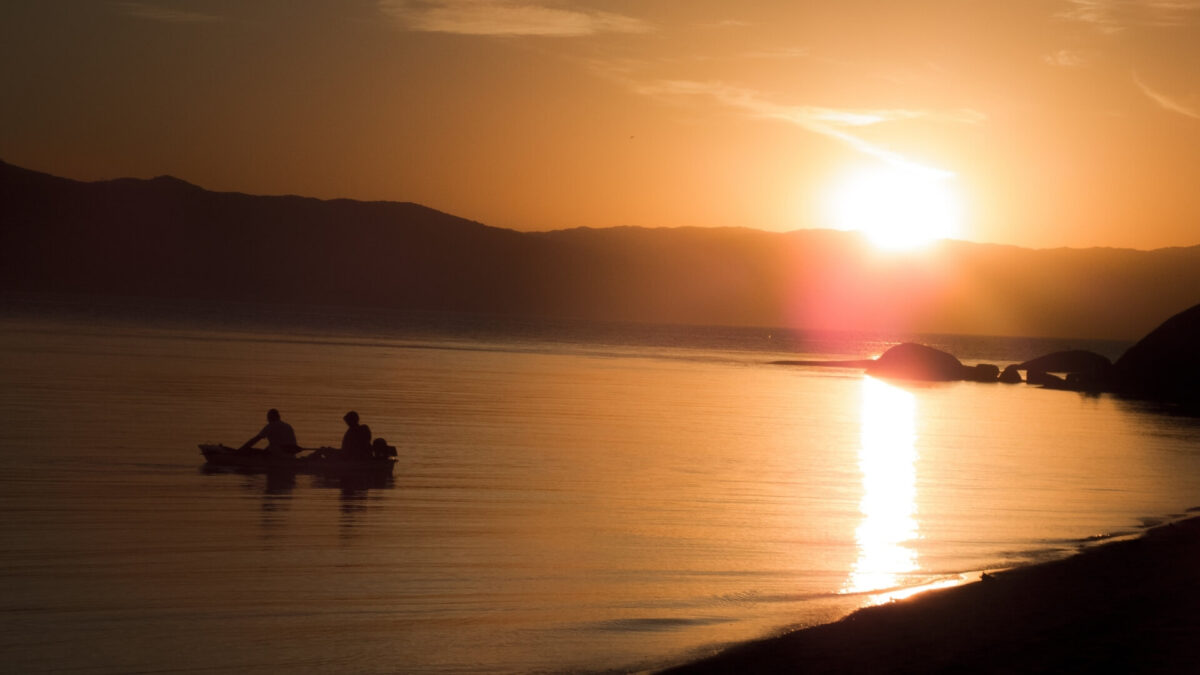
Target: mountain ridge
<point>167,238</point>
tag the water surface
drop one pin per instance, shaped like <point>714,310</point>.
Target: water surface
<point>564,500</point>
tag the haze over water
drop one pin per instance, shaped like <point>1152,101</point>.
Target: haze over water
<point>568,496</point>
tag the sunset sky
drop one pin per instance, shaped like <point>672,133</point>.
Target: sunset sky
<point>1039,123</point>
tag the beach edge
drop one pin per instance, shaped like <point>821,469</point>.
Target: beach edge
<point>1131,605</point>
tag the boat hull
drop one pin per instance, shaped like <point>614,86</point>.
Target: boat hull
<point>322,461</point>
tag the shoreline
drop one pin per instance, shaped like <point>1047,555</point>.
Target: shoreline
<point>1130,606</point>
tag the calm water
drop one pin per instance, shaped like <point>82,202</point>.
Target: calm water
<point>567,497</point>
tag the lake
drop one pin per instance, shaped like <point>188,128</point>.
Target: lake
<point>568,496</point>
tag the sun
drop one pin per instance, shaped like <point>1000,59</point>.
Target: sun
<point>896,208</point>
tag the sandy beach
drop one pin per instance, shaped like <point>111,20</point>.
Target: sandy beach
<point>1130,606</point>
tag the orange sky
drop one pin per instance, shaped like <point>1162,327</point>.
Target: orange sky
<point>1055,122</point>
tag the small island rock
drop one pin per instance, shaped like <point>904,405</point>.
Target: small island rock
<point>1069,361</point>
<point>1165,365</point>
<point>1042,378</point>
<point>1011,375</point>
<point>984,372</point>
<point>911,361</point>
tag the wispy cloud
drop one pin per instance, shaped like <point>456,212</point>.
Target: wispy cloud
<point>782,53</point>
<point>1097,13</point>
<point>834,123</point>
<point>152,12</point>
<point>1114,16</point>
<point>1164,101</point>
<point>726,23</point>
<point>506,18</point>
<point>1066,58</point>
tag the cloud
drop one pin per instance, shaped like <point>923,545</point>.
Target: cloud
<point>1098,13</point>
<point>506,18</point>
<point>1066,58</point>
<point>1164,101</point>
<point>783,53</point>
<point>151,12</point>
<point>829,122</point>
<point>1114,16</point>
<point>724,24</point>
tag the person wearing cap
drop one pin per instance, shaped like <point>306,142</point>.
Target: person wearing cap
<point>356,442</point>
<point>281,438</point>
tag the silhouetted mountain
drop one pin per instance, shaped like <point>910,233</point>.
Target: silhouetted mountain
<point>167,238</point>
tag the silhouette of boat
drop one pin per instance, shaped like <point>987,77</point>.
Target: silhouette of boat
<point>320,461</point>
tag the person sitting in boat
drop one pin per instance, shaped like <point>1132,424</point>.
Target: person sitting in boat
<point>281,438</point>
<point>356,442</point>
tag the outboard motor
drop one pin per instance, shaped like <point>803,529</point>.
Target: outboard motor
<point>380,449</point>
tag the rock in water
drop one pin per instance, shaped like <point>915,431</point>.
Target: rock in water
<point>911,361</point>
<point>1011,375</point>
<point>1042,378</point>
<point>1070,361</point>
<point>983,372</point>
<point>1165,364</point>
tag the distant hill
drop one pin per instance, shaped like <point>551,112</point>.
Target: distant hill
<point>165,238</point>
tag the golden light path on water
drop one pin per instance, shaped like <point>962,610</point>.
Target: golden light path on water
<point>887,458</point>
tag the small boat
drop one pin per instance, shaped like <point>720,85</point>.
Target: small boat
<point>318,461</point>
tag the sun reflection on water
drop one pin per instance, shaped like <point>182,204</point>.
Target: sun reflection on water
<point>887,457</point>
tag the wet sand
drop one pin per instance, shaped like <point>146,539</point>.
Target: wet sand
<point>1125,607</point>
